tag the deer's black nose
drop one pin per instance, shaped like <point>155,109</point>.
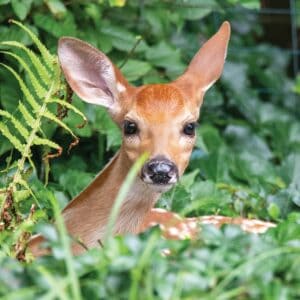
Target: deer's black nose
<point>160,171</point>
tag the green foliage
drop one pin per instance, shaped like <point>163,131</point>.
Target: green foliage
<point>246,161</point>
<point>23,127</point>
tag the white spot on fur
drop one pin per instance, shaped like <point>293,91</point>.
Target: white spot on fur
<point>173,231</point>
<point>120,87</point>
<point>160,210</point>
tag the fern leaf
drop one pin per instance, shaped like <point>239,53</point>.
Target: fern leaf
<point>40,91</point>
<point>23,183</point>
<point>26,114</point>
<point>32,165</point>
<point>14,140</point>
<point>36,62</point>
<point>24,88</point>
<point>40,141</point>
<point>20,128</point>
<point>52,117</point>
<point>48,58</point>
<point>69,106</point>
<point>46,142</point>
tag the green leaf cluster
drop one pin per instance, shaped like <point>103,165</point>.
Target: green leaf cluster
<point>23,128</point>
<point>246,161</point>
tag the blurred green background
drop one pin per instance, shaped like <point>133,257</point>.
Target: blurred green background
<point>246,161</point>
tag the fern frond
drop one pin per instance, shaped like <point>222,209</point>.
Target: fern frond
<point>24,88</point>
<point>39,90</point>
<point>48,58</point>
<point>17,124</point>
<point>26,114</point>
<point>40,141</point>
<point>47,114</point>
<point>24,184</point>
<point>69,106</point>
<point>44,74</point>
<point>14,140</point>
<point>36,62</point>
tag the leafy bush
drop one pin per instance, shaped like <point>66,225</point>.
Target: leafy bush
<point>246,162</point>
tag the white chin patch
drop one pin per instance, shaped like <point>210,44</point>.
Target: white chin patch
<point>160,188</point>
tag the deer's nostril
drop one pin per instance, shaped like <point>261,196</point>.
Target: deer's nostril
<point>160,171</point>
<point>159,167</point>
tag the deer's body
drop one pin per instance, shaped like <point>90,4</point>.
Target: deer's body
<point>158,119</point>
<point>94,204</point>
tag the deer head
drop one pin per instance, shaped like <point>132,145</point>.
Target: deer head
<point>159,119</point>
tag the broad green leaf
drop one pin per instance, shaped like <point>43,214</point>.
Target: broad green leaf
<point>207,198</point>
<point>274,211</point>
<point>188,179</point>
<point>135,69</point>
<point>158,20</point>
<point>215,165</point>
<point>74,181</point>
<point>249,167</point>
<point>104,124</point>
<point>164,55</point>
<point>195,9</point>
<point>290,169</point>
<point>56,7</point>
<point>242,138</point>
<point>121,38</point>
<point>21,8</point>
<point>57,28</point>
<point>210,137</point>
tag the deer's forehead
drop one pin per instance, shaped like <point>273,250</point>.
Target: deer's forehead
<point>159,103</point>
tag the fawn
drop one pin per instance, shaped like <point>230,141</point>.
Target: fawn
<point>157,118</point>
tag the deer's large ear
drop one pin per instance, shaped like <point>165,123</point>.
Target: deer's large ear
<point>207,65</point>
<point>90,73</point>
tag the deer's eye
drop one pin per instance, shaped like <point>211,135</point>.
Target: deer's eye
<point>130,127</point>
<point>189,129</point>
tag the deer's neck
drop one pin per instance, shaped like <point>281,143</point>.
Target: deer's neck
<point>87,215</point>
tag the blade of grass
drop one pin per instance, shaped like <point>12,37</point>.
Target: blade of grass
<point>137,272</point>
<point>121,196</point>
<point>75,288</point>
<point>57,288</point>
<point>233,294</point>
